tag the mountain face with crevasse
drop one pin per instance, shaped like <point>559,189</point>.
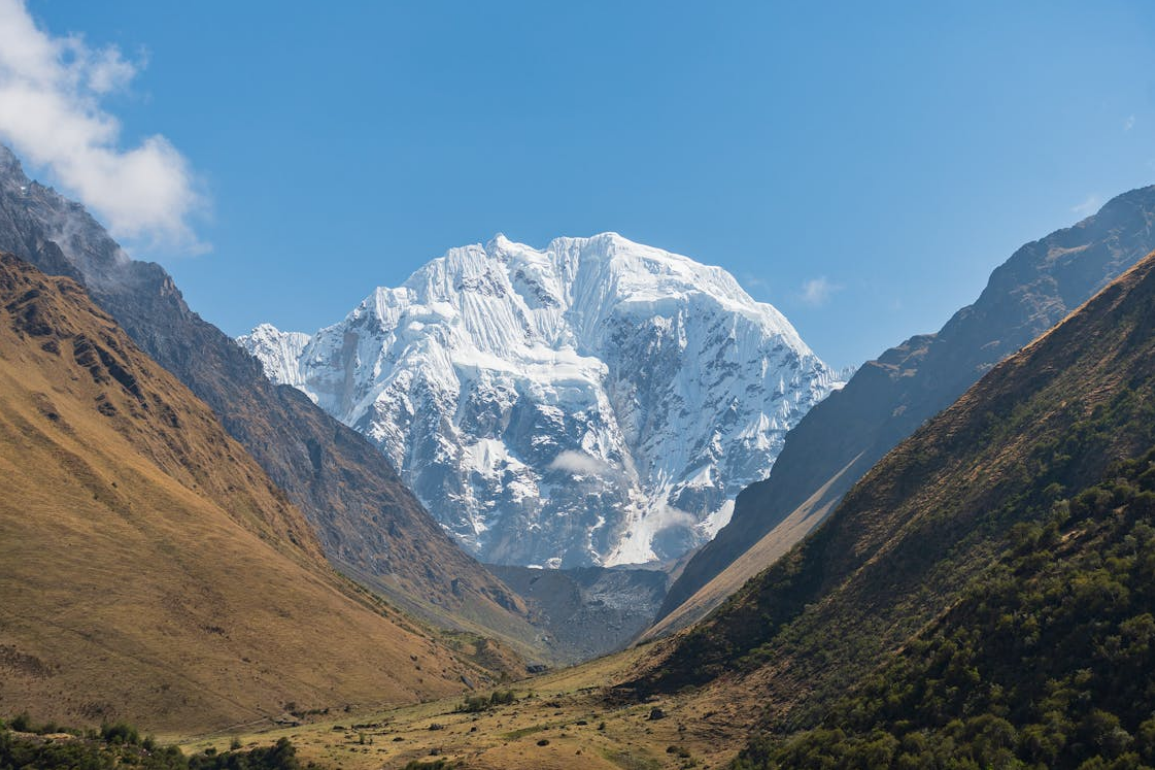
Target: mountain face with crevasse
<point>594,402</point>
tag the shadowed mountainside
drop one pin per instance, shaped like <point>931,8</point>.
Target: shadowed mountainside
<point>1037,480</point>
<point>839,440</point>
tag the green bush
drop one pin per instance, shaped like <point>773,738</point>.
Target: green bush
<point>120,733</point>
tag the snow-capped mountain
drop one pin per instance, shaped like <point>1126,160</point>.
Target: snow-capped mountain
<point>279,353</point>
<point>595,402</point>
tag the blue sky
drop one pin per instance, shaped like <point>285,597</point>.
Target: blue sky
<point>862,166</point>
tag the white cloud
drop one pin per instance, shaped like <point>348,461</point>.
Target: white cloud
<point>1129,123</point>
<point>1087,207</point>
<point>817,291</point>
<point>664,516</point>
<point>51,115</point>
<point>578,463</point>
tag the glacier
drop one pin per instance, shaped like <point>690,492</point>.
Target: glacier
<point>595,402</point>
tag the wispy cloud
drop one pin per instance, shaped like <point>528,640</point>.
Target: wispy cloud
<point>749,280</point>
<point>578,463</point>
<point>817,291</point>
<point>1129,123</point>
<point>664,516</point>
<point>1088,207</point>
<point>51,113</point>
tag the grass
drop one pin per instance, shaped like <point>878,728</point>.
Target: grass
<point>631,761</point>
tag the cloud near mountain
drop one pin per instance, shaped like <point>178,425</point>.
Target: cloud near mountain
<point>52,90</point>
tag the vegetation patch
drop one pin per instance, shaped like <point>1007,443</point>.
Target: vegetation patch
<point>630,760</point>
<point>474,704</point>
<point>513,735</point>
<point>437,764</point>
<point>112,747</point>
<point>1047,662</point>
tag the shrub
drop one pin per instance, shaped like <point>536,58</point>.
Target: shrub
<point>120,732</point>
<point>474,704</point>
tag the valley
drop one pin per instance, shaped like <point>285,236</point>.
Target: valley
<point>427,680</point>
<point>560,720</point>
<point>805,420</point>
<point>291,640</point>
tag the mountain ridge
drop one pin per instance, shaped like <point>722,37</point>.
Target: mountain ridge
<point>940,511</point>
<point>986,585</point>
<point>836,443</point>
<point>151,570</point>
<point>370,525</point>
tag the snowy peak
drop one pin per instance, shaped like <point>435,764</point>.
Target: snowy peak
<point>584,280</point>
<point>279,352</point>
<point>597,401</point>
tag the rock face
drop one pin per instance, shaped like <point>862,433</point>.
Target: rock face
<point>369,524</point>
<point>889,398</point>
<point>594,402</point>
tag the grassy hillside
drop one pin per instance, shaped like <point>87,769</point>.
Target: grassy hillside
<point>369,524</point>
<point>1042,451</point>
<point>150,570</point>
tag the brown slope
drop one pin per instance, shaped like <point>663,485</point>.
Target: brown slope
<point>886,400</point>
<point>938,514</point>
<point>149,568</point>
<point>369,524</point>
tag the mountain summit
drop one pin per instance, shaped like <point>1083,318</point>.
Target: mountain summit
<point>597,401</point>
